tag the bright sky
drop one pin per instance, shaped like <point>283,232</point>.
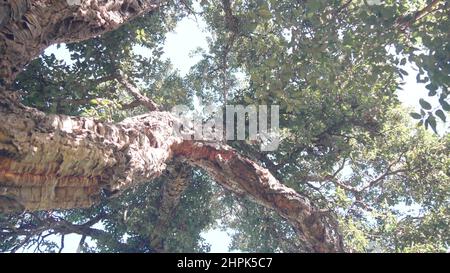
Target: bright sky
<point>187,37</point>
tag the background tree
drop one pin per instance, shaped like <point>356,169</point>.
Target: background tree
<point>347,144</point>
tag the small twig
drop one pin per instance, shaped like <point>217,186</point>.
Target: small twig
<point>81,243</point>
<point>62,243</point>
<point>21,244</point>
<point>131,105</point>
<point>134,91</point>
<point>190,10</point>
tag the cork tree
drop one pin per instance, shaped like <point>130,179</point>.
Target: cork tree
<point>91,139</point>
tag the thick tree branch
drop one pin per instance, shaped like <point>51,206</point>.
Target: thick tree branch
<point>28,27</point>
<point>246,178</point>
<point>58,161</point>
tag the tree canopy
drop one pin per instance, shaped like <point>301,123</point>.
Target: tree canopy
<point>379,170</point>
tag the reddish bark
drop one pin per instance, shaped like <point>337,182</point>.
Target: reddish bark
<point>56,161</point>
<point>317,229</point>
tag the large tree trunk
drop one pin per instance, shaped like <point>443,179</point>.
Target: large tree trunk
<point>178,179</point>
<point>52,161</point>
<point>56,161</point>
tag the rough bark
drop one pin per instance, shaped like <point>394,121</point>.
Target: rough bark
<point>317,229</point>
<point>51,161</point>
<point>27,27</point>
<point>56,161</point>
<point>172,190</point>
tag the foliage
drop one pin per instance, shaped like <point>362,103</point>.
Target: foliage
<point>347,143</point>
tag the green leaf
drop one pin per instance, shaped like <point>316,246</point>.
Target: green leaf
<point>264,12</point>
<point>431,87</point>
<point>403,72</point>
<point>432,121</point>
<point>425,105</point>
<point>441,115</point>
<point>313,6</point>
<point>445,105</point>
<point>415,115</point>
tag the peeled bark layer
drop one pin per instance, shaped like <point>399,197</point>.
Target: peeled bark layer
<point>246,178</point>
